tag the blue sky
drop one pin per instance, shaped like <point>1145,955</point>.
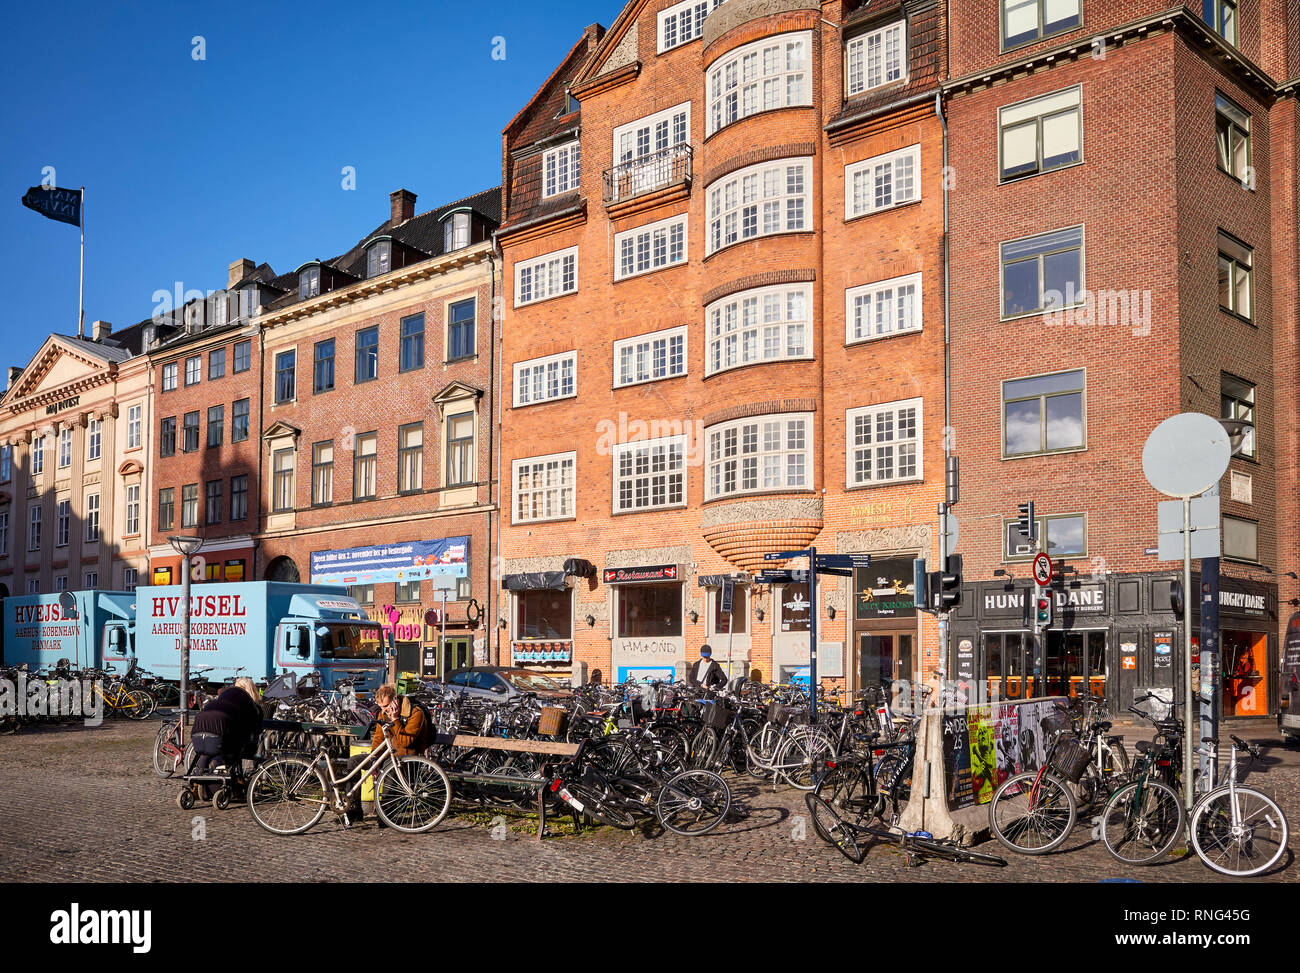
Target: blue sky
<point>190,164</point>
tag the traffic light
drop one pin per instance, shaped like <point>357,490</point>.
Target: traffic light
<point>920,585</point>
<point>1025,522</point>
<point>1176,598</point>
<point>949,595</point>
<point>1043,610</point>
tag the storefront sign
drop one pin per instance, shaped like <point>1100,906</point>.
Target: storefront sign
<point>885,589</point>
<point>660,572</point>
<point>410,561</point>
<point>1164,649</point>
<point>57,407</point>
<point>1241,602</point>
<point>1089,599</point>
<point>965,659</point>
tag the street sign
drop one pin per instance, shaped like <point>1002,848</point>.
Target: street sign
<point>1042,569</point>
<point>825,561</point>
<point>779,576</point>
<point>1186,454</point>
<point>783,555</point>
<point>950,533</point>
<point>728,595</point>
<point>1205,528</point>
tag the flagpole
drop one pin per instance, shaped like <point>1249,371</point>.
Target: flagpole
<point>81,288</point>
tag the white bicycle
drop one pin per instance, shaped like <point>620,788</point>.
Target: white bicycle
<point>1236,830</point>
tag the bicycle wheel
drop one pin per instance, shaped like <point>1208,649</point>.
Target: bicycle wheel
<point>762,750</point>
<point>1251,846</point>
<point>413,796</point>
<point>802,758</point>
<point>287,795</point>
<point>704,748</point>
<point>166,754</point>
<point>1142,821</point>
<point>833,829</point>
<point>602,808</point>
<point>941,849</point>
<point>139,705</point>
<point>844,787</point>
<point>693,802</point>
<point>1032,815</point>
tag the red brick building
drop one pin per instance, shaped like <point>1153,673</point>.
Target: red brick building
<point>723,247</point>
<point>1123,249</point>
<point>378,395</point>
<point>205,360</point>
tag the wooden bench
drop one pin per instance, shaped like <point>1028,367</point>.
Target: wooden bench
<point>548,747</point>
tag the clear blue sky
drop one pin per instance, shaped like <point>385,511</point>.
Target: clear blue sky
<point>191,164</point>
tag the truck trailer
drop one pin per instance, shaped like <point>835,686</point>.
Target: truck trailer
<point>39,630</point>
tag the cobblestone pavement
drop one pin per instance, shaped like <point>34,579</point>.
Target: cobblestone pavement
<point>82,804</point>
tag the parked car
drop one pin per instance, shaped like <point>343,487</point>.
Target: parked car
<point>497,682</point>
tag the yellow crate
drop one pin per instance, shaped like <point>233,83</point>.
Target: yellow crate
<point>368,785</point>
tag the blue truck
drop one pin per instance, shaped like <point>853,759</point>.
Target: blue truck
<point>39,630</point>
<point>255,628</point>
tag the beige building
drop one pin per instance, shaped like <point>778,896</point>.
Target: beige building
<point>74,442</point>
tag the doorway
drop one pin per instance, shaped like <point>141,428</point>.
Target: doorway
<point>456,654</point>
<point>883,658</point>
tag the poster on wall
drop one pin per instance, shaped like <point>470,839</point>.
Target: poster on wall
<point>886,589</point>
<point>410,561</point>
<point>956,761</point>
<point>989,744</point>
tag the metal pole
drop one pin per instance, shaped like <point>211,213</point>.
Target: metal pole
<point>442,620</point>
<point>1188,743</point>
<point>812,632</point>
<point>185,647</point>
<point>1208,696</point>
<point>81,288</point>
<point>942,616</point>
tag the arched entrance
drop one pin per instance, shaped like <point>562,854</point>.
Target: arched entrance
<point>283,569</point>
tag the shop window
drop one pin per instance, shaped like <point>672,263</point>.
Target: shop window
<point>648,611</point>
<point>1245,659</point>
<point>544,614</point>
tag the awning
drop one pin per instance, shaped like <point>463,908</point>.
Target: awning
<point>718,580</point>
<point>574,567</point>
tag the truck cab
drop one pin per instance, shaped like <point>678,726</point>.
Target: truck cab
<point>331,634</point>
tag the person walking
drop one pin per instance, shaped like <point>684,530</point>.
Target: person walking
<point>706,673</point>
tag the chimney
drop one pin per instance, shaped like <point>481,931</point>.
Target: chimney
<point>239,269</point>
<point>14,372</point>
<point>402,204</point>
<point>99,330</point>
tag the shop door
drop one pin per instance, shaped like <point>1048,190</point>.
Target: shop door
<point>456,653</point>
<point>1008,664</point>
<point>884,658</point>
<point>1075,662</point>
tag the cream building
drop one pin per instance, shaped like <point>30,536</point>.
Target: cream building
<point>74,441</point>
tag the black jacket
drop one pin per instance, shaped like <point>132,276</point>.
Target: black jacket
<point>706,673</point>
<point>234,717</point>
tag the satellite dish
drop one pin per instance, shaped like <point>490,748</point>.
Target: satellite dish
<point>1186,454</point>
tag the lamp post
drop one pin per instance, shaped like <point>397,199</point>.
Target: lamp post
<point>186,547</point>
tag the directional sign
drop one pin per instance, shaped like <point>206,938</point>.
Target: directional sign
<point>843,561</point>
<point>784,555</point>
<point>778,576</point>
<point>1042,568</point>
<point>838,572</point>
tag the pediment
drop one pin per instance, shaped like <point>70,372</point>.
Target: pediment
<point>60,369</point>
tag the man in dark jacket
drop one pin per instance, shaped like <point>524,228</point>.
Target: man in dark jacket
<point>706,672</point>
<point>227,728</point>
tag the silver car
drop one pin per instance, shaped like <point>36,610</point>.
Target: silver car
<point>496,682</point>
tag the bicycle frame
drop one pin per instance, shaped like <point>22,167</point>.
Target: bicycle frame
<point>368,766</point>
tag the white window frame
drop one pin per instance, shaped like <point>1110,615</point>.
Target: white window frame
<point>545,263</point>
<point>526,379</point>
<point>569,459</point>
<point>716,459</point>
<point>689,13</point>
<point>130,579</point>
<point>873,295</point>
<point>194,367</point>
<point>1052,104</point>
<point>134,419</point>
<point>749,80</point>
<point>94,439</point>
<point>65,448</point>
<point>717,334</point>
<point>893,444</point>
<point>62,521</point>
<point>858,63</point>
<point>170,376</point>
<point>673,449</point>
<point>637,171</point>
<point>867,166</point>
<point>132,519</point>
<point>90,580</point>
<point>645,351</point>
<point>92,518</point>
<point>647,239</point>
<point>727,203</point>
<point>38,455</point>
<point>566,159</point>
<point>34,529</point>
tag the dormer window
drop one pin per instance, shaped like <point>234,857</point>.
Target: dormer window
<point>248,300</point>
<point>455,232</point>
<point>217,310</point>
<point>379,258</point>
<point>194,316</point>
<point>309,282</point>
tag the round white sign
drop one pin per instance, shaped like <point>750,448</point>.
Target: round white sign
<point>1186,454</point>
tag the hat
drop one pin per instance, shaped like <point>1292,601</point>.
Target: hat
<point>706,650</point>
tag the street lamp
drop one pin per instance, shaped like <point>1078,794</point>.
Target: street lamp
<point>186,547</point>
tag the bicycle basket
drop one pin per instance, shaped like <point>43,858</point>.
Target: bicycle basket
<point>1056,721</point>
<point>1070,759</point>
<point>791,714</point>
<point>552,722</point>
<point>718,716</point>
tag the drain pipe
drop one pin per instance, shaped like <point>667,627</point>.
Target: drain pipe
<point>491,629</point>
<point>945,660</point>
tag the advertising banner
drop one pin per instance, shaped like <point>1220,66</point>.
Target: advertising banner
<point>410,561</point>
<point>987,744</point>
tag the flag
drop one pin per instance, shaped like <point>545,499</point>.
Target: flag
<point>63,205</point>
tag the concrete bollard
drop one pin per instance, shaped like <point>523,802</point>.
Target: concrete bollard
<point>927,808</point>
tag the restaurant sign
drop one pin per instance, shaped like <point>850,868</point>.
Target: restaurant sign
<point>657,572</point>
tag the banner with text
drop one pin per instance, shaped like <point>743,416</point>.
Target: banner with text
<point>411,561</point>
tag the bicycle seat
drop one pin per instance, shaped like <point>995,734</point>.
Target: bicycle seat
<point>1143,746</point>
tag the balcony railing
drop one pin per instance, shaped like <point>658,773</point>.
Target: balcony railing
<point>667,167</point>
